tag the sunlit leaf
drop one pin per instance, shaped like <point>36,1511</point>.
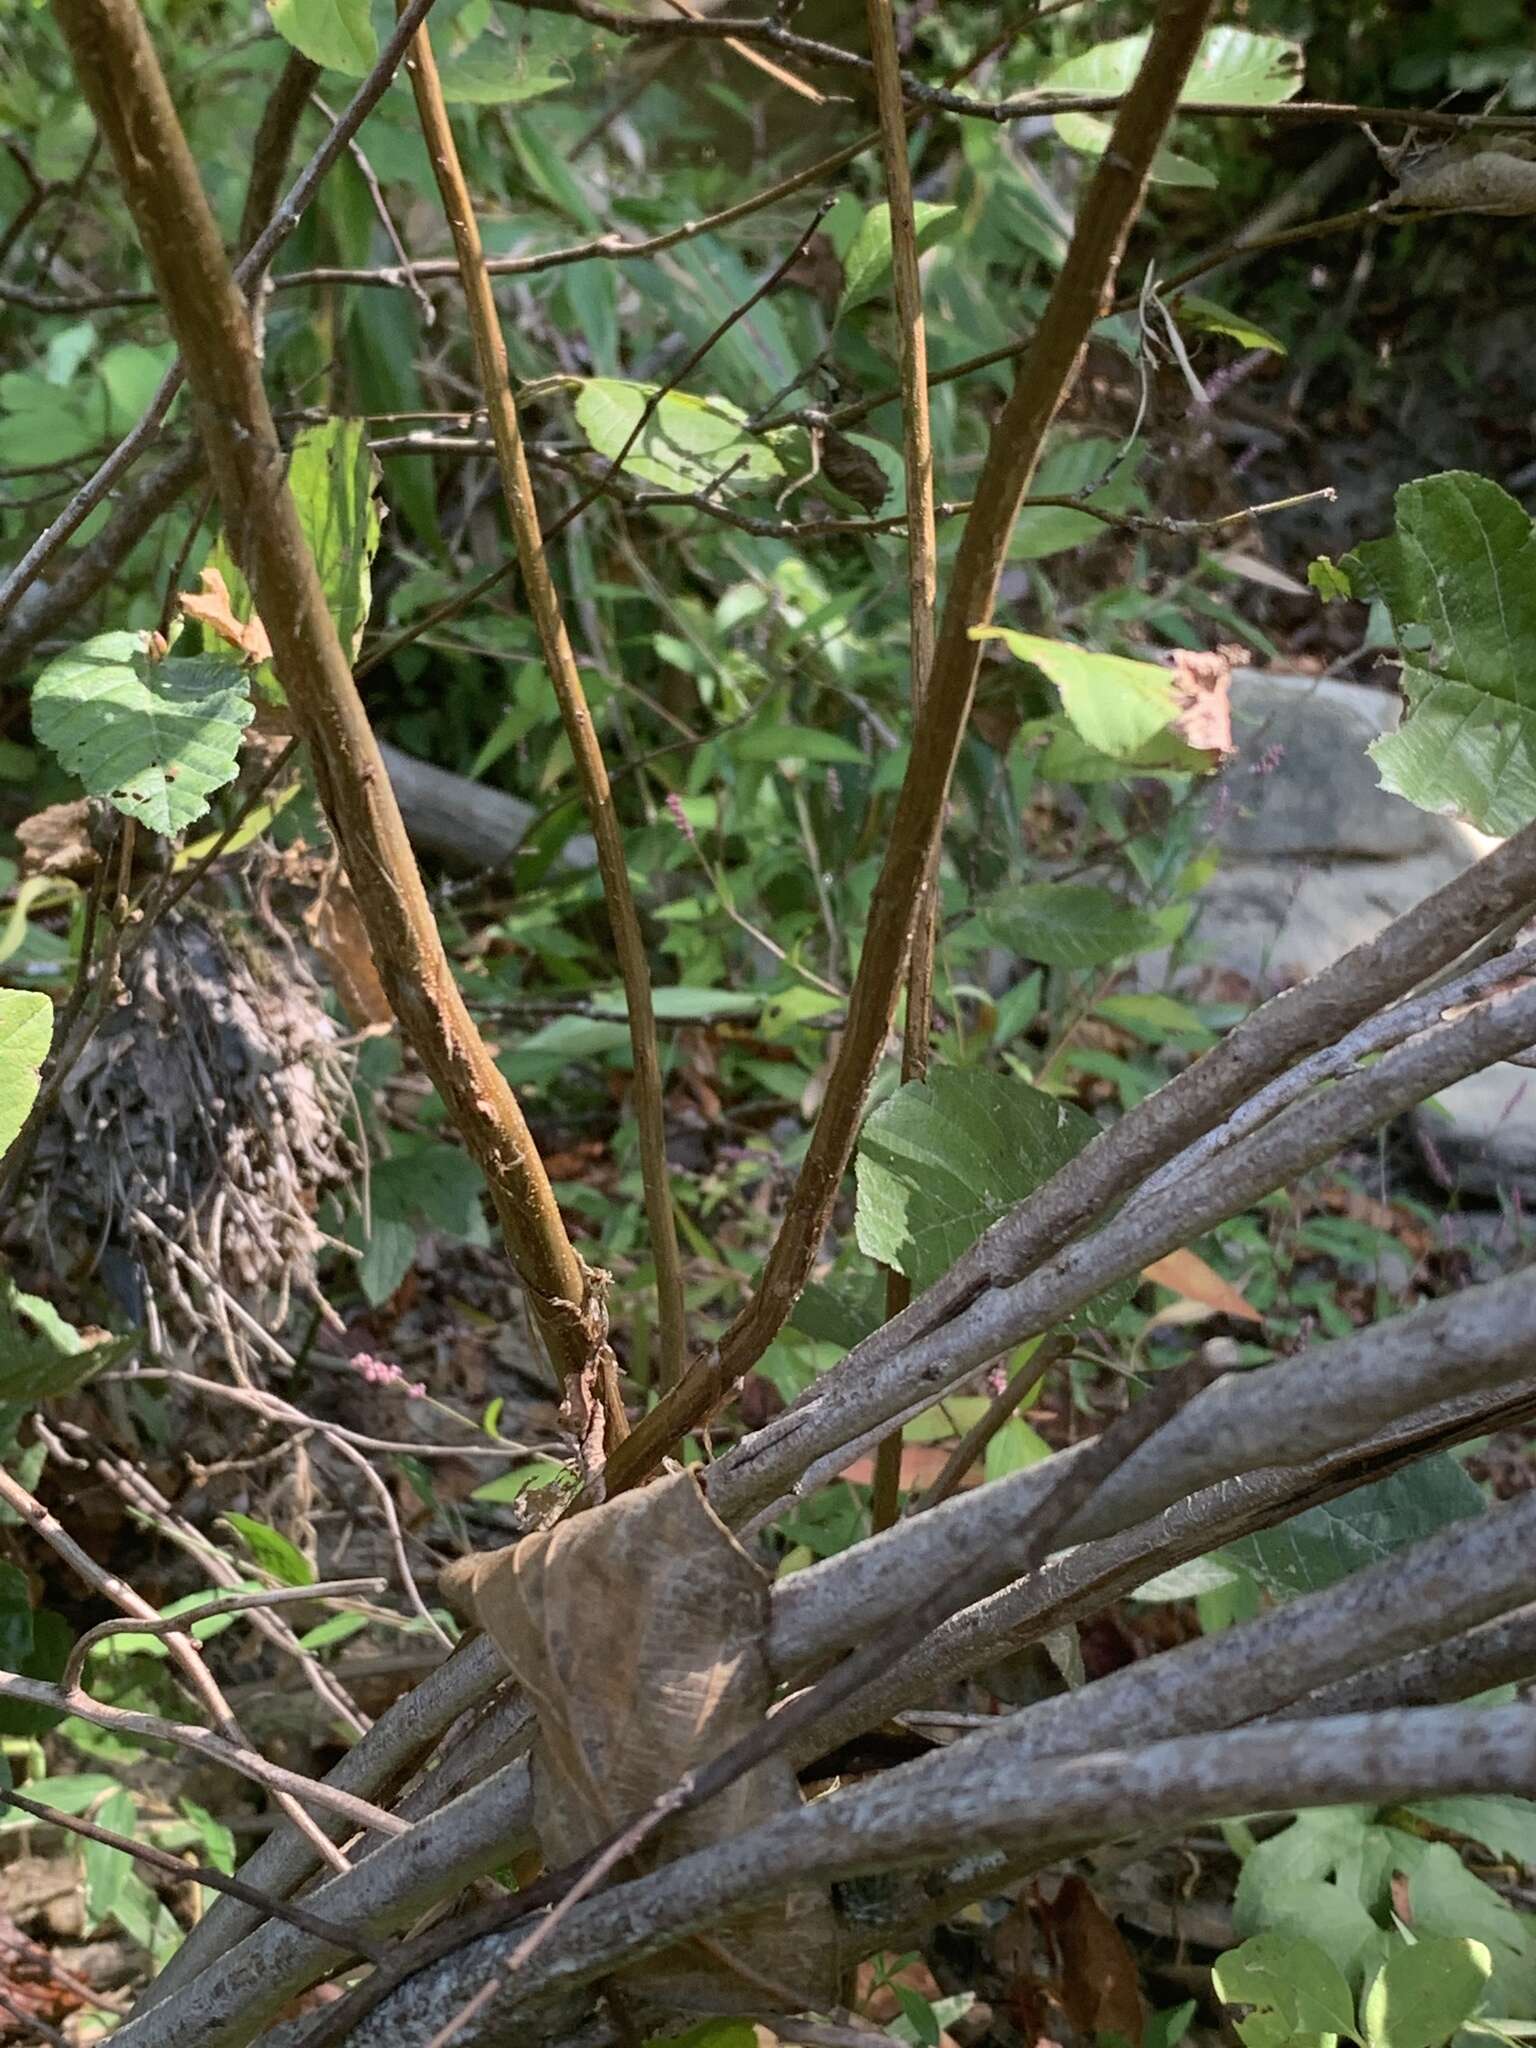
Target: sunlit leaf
<point>154,738</point>
<point>26,1030</point>
<point>1458,579</point>
<point>336,34</point>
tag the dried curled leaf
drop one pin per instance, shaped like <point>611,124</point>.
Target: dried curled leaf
<point>214,608</point>
<point>1202,683</point>
<point>636,1630</point>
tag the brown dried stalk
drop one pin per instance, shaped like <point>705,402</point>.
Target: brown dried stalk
<point>123,83</point>
<point>586,752</point>
<point>1044,378</point>
<point>922,590</point>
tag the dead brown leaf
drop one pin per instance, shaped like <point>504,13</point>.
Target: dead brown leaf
<point>1098,1984</point>
<point>636,1630</point>
<point>341,939</point>
<point>921,1464</point>
<point>57,841</point>
<point>1188,1274</point>
<point>1202,683</point>
<point>212,607</point>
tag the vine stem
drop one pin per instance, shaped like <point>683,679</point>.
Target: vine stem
<point>922,592</point>
<point>1045,375</point>
<point>586,751</point>
<point>121,79</point>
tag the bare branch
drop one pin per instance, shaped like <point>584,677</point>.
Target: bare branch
<point>1045,376</point>
<point>122,80</point>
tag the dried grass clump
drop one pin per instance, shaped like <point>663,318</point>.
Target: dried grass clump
<point>195,1138</point>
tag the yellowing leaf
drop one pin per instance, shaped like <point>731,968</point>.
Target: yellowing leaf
<point>1188,1274</point>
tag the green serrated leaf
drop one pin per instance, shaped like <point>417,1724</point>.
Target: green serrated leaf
<point>40,1354</point>
<point>26,1031</point>
<point>688,444</point>
<point>1328,579</point>
<point>1327,1543</point>
<point>1424,1993</point>
<point>154,738</point>
<point>1458,580</point>
<point>942,1159</point>
<point>336,34</point>
<point>272,1551</point>
<point>1066,924</point>
<point>1290,1977</point>
<point>1115,705</point>
<point>867,261</point>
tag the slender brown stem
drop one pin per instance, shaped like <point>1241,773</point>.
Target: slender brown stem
<point>270,151</point>
<point>251,272</point>
<point>1045,376</point>
<point>200,1680</point>
<point>922,589</point>
<point>586,752</point>
<point>981,1432</point>
<point>123,83</point>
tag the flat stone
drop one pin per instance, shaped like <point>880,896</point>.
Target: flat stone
<point>1302,781</point>
<point>1318,858</point>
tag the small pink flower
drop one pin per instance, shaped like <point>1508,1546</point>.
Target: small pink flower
<point>383,1372</point>
<point>1269,760</point>
<point>680,816</point>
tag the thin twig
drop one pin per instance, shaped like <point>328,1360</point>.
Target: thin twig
<point>250,270</point>
<point>586,750</point>
<point>184,1650</point>
<point>181,1624</point>
<point>922,592</point>
<point>981,1432</point>
<point>1044,377</point>
<point>161,1860</point>
<point>120,74</point>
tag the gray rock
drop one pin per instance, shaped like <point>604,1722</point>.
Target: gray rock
<point>1302,781</point>
<point>1317,858</point>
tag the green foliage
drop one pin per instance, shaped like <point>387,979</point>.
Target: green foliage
<point>332,478</point>
<point>1458,579</point>
<point>337,34</point>
<point>688,444</point>
<point>1067,924</point>
<point>154,738</point>
<point>272,1551</point>
<point>429,1186</point>
<point>867,259</point>
<point>1422,1994</point>
<point>1232,64</point>
<point>40,1354</point>
<point>1120,708</point>
<point>1328,1542</point>
<point>1294,1987</point>
<point>26,1031</point>
<point>1335,1878</point>
<point>944,1158</point>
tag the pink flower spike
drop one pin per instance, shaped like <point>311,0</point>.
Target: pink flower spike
<point>680,817</point>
